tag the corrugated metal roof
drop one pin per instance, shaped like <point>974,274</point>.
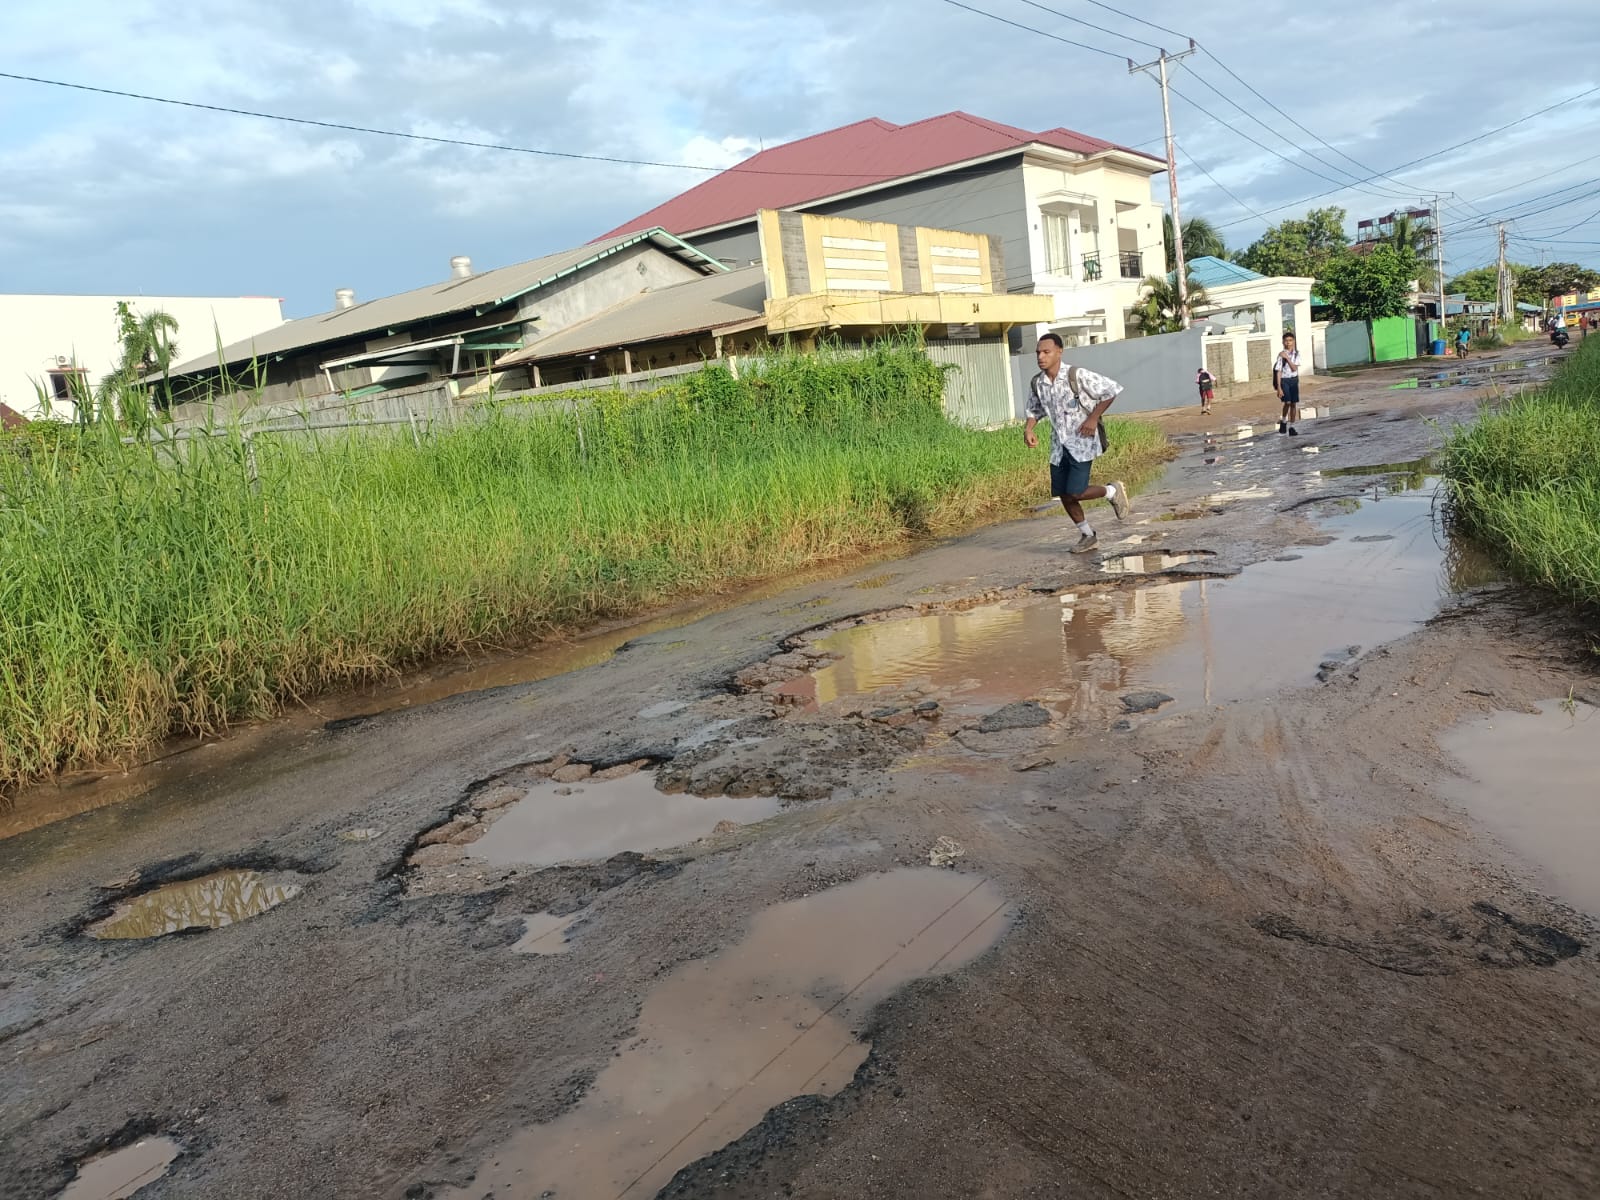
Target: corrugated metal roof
<point>1212,272</point>
<point>485,290</point>
<point>865,154</point>
<point>699,305</point>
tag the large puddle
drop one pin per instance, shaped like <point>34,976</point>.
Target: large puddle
<point>1536,786</point>
<point>118,1174</point>
<point>724,1039</point>
<point>586,821</point>
<point>209,902</point>
<point>1202,641</point>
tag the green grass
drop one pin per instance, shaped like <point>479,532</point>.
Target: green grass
<point>1525,481</point>
<point>151,590</point>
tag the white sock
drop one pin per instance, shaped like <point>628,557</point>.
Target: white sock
<point>1111,491</point>
<point>1086,529</point>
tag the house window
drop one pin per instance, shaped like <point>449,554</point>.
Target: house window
<point>1057,244</point>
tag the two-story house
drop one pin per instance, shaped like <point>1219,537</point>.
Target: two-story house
<point>1076,214</point>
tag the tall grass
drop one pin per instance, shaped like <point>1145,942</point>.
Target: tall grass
<point>150,589</point>
<point>1525,480</point>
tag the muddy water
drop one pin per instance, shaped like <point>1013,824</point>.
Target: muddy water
<point>1536,785</point>
<point>209,902</point>
<point>724,1039</point>
<point>582,822</point>
<point>544,934</point>
<point>121,1173</point>
<point>1201,641</point>
<point>1153,563</point>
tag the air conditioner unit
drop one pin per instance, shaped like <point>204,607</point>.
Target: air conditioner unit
<point>62,360</point>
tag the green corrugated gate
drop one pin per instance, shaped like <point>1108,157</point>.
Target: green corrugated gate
<point>1394,339</point>
<point>978,392</point>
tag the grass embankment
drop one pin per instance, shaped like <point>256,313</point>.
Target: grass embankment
<point>1525,481</point>
<point>149,591</point>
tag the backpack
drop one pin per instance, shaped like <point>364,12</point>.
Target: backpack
<point>1072,383</point>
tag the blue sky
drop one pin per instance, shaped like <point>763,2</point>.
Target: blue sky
<point>112,195</point>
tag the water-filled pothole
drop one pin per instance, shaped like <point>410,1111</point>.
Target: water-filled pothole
<point>543,933</point>
<point>726,1038</point>
<point>1533,786</point>
<point>208,902</point>
<point>590,820</point>
<point>118,1174</point>
<point>1152,563</point>
<point>1201,641</point>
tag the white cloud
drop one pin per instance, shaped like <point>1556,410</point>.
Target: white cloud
<point>114,194</point>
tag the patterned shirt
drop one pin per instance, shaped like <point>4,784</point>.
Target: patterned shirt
<point>1053,398</point>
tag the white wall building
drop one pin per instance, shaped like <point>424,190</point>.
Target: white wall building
<point>45,340</point>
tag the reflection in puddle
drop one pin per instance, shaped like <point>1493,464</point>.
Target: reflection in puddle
<point>1202,641</point>
<point>582,822</point>
<point>121,1173</point>
<point>544,934</point>
<point>1151,564</point>
<point>209,902</point>
<point>723,1039</point>
<point>1534,788</point>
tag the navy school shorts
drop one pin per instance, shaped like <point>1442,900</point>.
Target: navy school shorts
<point>1069,477</point>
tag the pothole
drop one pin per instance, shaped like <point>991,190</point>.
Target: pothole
<point>118,1174</point>
<point>567,813</point>
<point>207,902</point>
<point>1200,641</point>
<point>544,934</point>
<point>726,1038</point>
<point>1533,786</point>
<point>1152,563</point>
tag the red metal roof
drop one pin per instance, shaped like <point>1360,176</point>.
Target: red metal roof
<point>10,418</point>
<point>851,157</point>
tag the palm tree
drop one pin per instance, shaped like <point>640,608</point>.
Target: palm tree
<point>1409,235</point>
<point>1201,239</point>
<point>1157,310</point>
<point>148,347</point>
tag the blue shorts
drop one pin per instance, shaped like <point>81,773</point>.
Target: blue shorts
<point>1069,477</point>
<point>1291,389</point>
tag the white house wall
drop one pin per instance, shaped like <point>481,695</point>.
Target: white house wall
<point>37,330</point>
<point>1109,298</point>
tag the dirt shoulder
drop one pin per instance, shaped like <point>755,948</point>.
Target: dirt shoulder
<point>1251,947</point>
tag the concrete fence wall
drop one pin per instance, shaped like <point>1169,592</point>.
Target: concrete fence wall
<point>1155,372</point>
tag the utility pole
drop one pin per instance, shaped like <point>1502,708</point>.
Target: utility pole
<point>1179,270</point>
<point>1438,250</point>
<point>1503,281</point>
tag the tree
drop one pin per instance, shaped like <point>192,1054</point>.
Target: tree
<point>1201,239</point>
<point>1410,236</point>
<point>1560,279</point>
<point>1369,287</point>
<point>1157,310</point>
<point>1299,247</point>
<point>149,344</point>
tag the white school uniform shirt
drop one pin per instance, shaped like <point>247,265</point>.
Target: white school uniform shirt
<point>1288,364</point>
<point>1053,398</point>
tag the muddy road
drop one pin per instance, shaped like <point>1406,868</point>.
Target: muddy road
<point>1250,857</point>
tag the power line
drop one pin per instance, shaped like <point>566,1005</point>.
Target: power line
<point>1139,20</point>
<point>1441,153</point>
<point>1030,29</point>
<point>1199,166</point>
<point>1098,28</point>
<point>433,139</point>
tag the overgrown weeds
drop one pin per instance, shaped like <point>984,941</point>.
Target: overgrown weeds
<point>162,586</point>
<point>1525,481</point>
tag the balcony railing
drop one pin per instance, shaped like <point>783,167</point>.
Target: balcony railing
<point>1091,267</point>
<point>1132,264</point>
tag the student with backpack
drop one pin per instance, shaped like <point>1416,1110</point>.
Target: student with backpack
<point>1207,383</point>
<point>1073,400</point>
<point>1286,382</point>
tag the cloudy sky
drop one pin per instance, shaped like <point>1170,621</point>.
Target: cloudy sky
<point>105,195</point>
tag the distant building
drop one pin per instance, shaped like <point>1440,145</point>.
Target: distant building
<point>1075,214</point>
<point>820,278</point>
<point>453,329</point>
<point>52,343</point>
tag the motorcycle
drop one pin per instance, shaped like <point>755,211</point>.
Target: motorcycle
<point>1559,338</point>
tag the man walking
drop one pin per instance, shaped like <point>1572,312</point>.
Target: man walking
<point>1074,400</point>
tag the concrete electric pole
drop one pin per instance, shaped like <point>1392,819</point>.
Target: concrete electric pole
<point>1438,250</point>
<point>1180,273</point>
<point>1503,294</point>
